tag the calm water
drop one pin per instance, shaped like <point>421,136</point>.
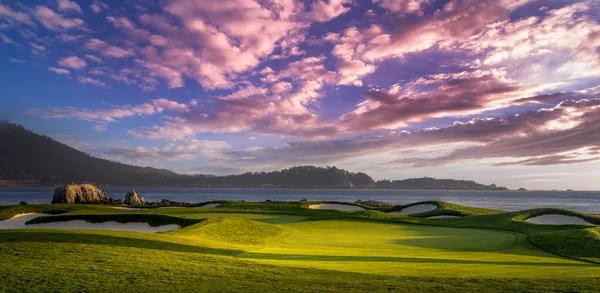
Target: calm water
<point>583,201</point>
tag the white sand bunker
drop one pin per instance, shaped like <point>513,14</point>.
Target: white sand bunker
<point>210,206</point>
<point>336,206</point>
<point>416,209</point>
<point>443,217</point>
<point>129,208</point>
<point>558,219</point>
<point>18,222</point>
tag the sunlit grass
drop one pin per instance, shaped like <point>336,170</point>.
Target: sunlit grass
<point>253,247</point>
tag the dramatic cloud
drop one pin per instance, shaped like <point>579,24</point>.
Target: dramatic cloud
<point>321,81</point>
<point>458,94</point>
<point>567,133</point>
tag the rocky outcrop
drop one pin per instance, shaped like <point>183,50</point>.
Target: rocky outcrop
<point>80,194</point>
<point>132,198</point>
<point>167,203</point>
<point>374,203</point>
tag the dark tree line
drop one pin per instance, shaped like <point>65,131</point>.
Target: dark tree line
<point>27,158</point>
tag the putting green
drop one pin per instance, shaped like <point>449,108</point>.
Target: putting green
<point>413,250</point>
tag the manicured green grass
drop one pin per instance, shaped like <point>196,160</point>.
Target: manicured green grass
<point>275,246</point>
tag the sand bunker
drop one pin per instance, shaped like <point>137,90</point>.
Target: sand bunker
<point>336,206</point>
<point>416,209</point>
<point>558,219</point>
<point>443,217</point>
<point>210,205</point>
<point>18,222</point>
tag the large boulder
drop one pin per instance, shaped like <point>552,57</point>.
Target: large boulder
<point>132,199</point>
<point>80,194</point>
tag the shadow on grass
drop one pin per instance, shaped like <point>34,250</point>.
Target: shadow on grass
<point>344,258</point>
<point>101,239</point>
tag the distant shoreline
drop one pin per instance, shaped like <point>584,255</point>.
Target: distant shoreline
<point>300,188</point>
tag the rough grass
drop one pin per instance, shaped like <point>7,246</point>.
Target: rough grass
<point>284,246</point>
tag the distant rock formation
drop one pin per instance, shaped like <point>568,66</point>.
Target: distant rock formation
<point>374,203</point>
<point>80,194</point>
<point>522,189</point>
<point>132,198</point>
<point>167,203</point>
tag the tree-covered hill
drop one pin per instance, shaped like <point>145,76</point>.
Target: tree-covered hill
<point>30,159</point>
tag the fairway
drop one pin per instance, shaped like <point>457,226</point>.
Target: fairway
<point>288,247</point>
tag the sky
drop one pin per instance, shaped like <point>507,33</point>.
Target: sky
<point>496,91</point>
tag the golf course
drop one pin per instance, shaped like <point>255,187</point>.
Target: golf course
<point>299,246</point>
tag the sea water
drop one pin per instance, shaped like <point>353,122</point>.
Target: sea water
<point>583,201</point>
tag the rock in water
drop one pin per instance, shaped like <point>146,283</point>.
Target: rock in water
<point>132,199</point>
<point>80,193</point>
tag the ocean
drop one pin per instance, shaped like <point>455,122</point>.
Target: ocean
<point>583,201</point>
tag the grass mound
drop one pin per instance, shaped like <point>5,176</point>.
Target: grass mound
<point>237,231</point>
<point>524,215</point>
<point>444,208</point>
<point>8,212</point>
<point>582,243</point>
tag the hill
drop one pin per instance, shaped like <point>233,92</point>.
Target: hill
<point>30,159</point>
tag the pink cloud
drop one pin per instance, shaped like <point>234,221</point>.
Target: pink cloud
<point>15,16</point>
<point>6,39</point>
<point>55,22</point>
<point>248,109</point>
<point>60,71</point>
<point>403,6</point>
<point>324,11</point>
<point>163,103</point>
<point>69,38</point>
<point>97,6</point>
<point>95,44</point>
<point>66,5</point>
<point>72,62</point>
<point>455,21</point>
<point>174,78</point>
<point>571,53</point>
<point>113,114</point>
<point>218,41</point>
<point>92,81</point>
<point>460,94</point>
<point>93,58</point>
<point>116,52</point>
<point>523,136</point>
